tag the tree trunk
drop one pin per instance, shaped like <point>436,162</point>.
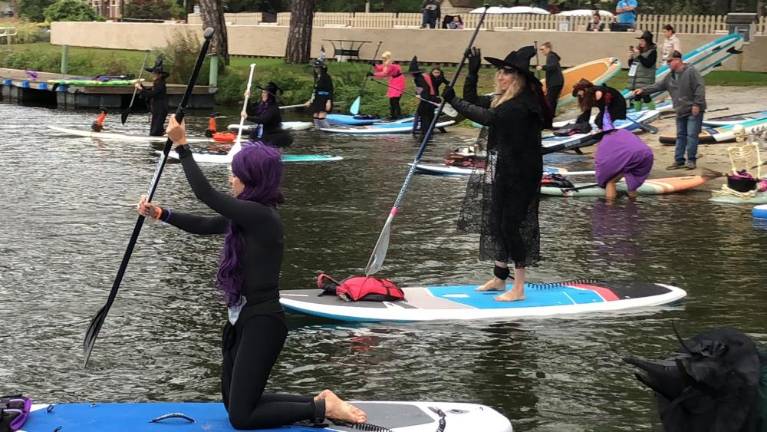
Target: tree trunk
<point>212,14</point>
<point>300,32</point>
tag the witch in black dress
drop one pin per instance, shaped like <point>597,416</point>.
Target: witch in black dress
<point>501,202</point>
<point>265,113</point>
<point>156,98</point>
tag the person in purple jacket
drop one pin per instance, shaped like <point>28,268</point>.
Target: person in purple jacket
<point>621,155</point>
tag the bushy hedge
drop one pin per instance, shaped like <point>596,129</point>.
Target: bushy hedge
<point>70,10</point>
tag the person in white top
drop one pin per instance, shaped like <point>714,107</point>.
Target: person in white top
<point>670,44</point>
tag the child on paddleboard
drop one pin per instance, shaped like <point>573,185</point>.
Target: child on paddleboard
<point>248,278</point>
<point>502,201</point>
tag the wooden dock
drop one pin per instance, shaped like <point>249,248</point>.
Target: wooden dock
<point>36,88</point>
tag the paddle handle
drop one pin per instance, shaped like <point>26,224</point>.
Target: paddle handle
<point>245,105</point>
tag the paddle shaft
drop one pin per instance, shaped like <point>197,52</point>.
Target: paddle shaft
<point>125,114</point>
<point>287,107</point>
<point>98,320</point>
<point>407,93</point>
<point>245,104</point>
<point>365,80</point>
<point>382,244</point>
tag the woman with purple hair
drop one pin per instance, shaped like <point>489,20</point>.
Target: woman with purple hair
<point>248,278</point>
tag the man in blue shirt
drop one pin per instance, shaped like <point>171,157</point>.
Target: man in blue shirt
<point>626,11</point>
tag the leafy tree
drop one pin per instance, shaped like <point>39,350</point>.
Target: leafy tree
<point>153,9</point>
<point>33,9</point>
<point>70,10</point>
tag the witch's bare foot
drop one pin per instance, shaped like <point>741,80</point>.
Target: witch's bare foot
<point>511,296</point>
<point>337,409</point>
<point>493,284</point>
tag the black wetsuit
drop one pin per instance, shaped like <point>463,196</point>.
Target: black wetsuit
<point>251,346</point>
<point>323,92</point>
<point>267,115</point>
<point>612,101</point>
<point>425,111</point>
<point>554,80</point>
<point>157,100</point>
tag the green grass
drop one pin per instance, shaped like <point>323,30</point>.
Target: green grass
<point>296,80</point>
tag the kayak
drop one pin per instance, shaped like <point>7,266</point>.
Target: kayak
<point>650,187</point>
<point>559,143</point>
<point>734,119</point>
<point>722,134</point>
<point>442,169</point>
<point>122,137</point>
<point>463,302</point>
<point>223,158</point>
<point>399,126</point>
<point>288,125</point>
<point>212,417</point>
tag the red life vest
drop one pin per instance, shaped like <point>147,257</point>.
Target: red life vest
<point>361,288</point>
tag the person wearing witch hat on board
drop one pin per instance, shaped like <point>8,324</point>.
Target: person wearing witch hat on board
<point>427,88</point>
<point>248,279</point>
<point>508,190</point>
<point>156,98</point>
<point>321,102</point>
<point>645,57</point>
<point>265,113</point>
<point>554,78</point>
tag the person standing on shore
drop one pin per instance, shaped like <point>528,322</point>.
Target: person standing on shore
<point>554,78</point>
<point>156,98</point>
<point>642,61</point>
<point>392,72</point>
<point>430,13</point>
<point>671,42</point>
<point>688,95</point>
<point>596,24</point>
<point>626,15</point>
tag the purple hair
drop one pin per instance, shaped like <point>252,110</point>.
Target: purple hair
<point>259,167</point>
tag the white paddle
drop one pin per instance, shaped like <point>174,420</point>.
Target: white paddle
<point>243,114</point>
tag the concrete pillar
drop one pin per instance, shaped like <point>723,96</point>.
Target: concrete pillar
<point>213,77</point>
<point>64,58</point>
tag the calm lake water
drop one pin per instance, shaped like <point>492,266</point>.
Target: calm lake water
<point>68,211</point>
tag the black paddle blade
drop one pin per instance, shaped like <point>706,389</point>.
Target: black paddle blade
<point>124,116</point>
<point>93,331</point>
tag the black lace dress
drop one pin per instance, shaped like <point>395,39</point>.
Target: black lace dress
<point>501,202</point>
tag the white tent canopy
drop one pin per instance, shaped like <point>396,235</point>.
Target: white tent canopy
<point>585,12</point>
<point>497,10</point>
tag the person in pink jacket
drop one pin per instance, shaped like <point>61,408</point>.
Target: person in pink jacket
<point>396,82</point>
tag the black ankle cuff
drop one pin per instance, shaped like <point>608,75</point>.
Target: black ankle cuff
<point>501,273</point>
<point>319,411</point>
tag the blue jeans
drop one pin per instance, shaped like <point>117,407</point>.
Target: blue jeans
<point>687,130</point>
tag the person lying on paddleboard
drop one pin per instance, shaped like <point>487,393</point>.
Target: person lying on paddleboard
<point>427,88</point>
<point>321,102</point>
<point>156,98</point>
<point>265,112</point>
<point>509,187</point>
<point>248,278</point>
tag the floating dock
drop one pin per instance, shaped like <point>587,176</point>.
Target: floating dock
<point>38,88</point>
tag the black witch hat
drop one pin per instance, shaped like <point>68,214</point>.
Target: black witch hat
<point>273,89</point>
<point>158,67</point>
<point>647,36</point>
<point>414,67</point>
<point>518,60</point>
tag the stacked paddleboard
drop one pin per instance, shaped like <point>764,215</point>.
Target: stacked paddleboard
<point>723,134</point>
<point>734,119</point>
<point>650,187</point>
<point>463,302</point>
<point>553,144</point>
<point>597,71</point>
<point>212,417</point>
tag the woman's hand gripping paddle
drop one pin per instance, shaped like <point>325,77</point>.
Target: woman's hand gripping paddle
<point>126,113</point>
<point>382,245</point>
<point>243,114</point>
<point>354,109</point>
<point>98,320</point>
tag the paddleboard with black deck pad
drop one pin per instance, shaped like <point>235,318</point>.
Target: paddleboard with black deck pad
<point>464,302</point>
<point>212,417</point>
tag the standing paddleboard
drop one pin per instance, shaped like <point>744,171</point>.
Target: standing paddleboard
<point>382,128</point>
<point>722,134</point>
<point>463,302</point>
<point>286,125</point>
<point>597,71</point>
<point>352,120</point>
<point>225,158</point>
<point>212,417</point>
<point>659,186</point>
<point>122,137</point>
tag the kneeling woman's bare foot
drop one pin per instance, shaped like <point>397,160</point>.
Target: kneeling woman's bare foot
<point>337,409</point>
<point>493,284</point>
<point>511,296</point>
